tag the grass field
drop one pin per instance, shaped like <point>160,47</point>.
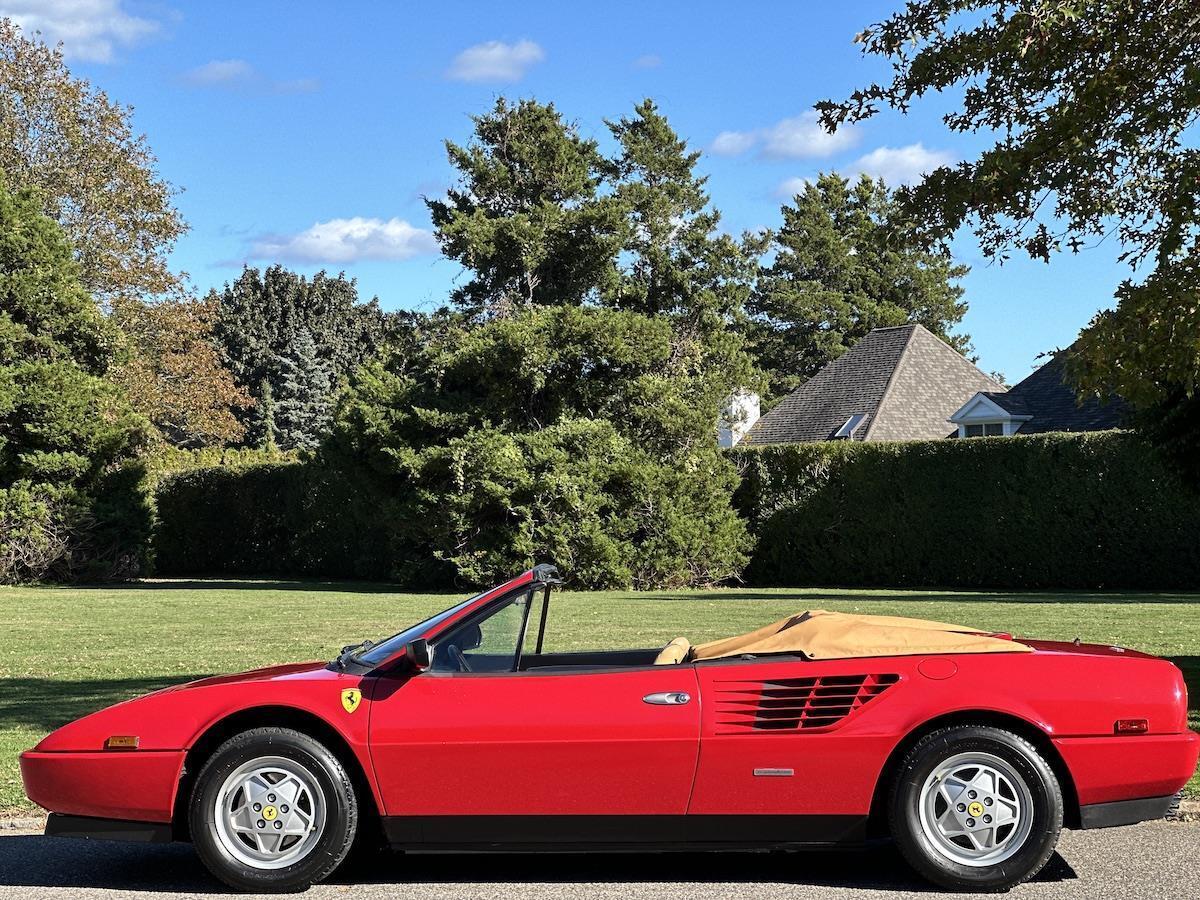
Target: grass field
<point>67,651</point>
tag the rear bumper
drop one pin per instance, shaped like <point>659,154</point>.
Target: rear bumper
<point>58,825</point>
<point>137,785</point>
<point>1109,770</point>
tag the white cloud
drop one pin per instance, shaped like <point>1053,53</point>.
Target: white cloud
<point>89,30</point>
<point>237,74</point>
<point>649,61</point>
<point>347,241</point>
<point>804,136</point>
<point>496,61</point>
<point>901,165</point>
<point>220,71</point>
<point>790,187</point>
<point>794,138</point>
<point>733,143</point>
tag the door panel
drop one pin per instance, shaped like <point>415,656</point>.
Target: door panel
<point>530,744</point>
<point>793,738</point>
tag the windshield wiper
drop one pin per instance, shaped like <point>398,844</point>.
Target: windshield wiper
<point>350,651</point>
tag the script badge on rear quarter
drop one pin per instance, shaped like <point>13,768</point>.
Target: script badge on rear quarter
<point>351,698</point>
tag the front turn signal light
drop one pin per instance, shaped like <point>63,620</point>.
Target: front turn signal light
<point>1131,726</point>
<point>121,742</point>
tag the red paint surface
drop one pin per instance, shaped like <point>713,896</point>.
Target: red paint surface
<point>585,742</point>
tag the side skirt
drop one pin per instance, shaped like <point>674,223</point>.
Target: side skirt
<point>1124,812</point>
<point>59,825</point>
<point>579,833</point>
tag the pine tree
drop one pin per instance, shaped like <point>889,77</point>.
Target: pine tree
<point>526,217</point>
<point>845,261</point>
<point>302,411</point>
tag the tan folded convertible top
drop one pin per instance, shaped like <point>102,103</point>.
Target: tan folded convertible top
<point>831,635</point>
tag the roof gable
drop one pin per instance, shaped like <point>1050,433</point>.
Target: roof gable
<point>853,384</point>
<point>904,381</point>
<point>931,382</point>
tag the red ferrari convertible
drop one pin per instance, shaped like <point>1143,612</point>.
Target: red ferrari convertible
<point>972,750</point>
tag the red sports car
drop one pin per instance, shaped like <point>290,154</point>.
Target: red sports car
<point>971,749</point>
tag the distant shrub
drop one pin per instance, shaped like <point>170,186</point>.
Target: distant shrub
<point>1072,511</point>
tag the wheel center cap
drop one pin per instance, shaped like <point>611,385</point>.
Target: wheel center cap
<point>975,809</point>
<point>269,813</point>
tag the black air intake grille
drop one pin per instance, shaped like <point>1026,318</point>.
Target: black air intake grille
<point>795,704</point>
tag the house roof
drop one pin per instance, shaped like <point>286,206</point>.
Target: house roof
<point>904,381</point>
<point>1051,403</point>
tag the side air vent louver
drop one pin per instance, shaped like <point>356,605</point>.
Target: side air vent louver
<point>795,704</point>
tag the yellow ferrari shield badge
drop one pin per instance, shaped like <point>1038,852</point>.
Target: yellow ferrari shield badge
<point>351,697</point>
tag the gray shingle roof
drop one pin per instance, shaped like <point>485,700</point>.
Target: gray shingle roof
<point>906,381</point>
<point>1047,397</point>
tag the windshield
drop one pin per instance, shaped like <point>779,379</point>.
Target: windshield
<point>379,653</point>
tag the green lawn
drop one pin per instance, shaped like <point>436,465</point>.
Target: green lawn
<point>67,651</point>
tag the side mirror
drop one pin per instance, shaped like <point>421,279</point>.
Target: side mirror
<point>417,653</point>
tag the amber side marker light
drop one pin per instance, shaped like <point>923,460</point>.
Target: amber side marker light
<point>1131,726</point>
<point>121,742</point>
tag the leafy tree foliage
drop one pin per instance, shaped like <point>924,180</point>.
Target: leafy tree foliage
<point>551,433</point>
<point>302,412</point>
<point>262,315</point>
<point>63,428</point>
<point>1094,102</point>
<point>844,262</point>
<point>173,375</point>
<point>95,175</point>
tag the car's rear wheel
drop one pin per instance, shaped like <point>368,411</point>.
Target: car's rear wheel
<point>976,808</point>
<point>272,810</point>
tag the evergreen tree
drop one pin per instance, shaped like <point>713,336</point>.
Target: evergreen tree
<point>568,409</point>
<point>846,261</point>
<point>263,432</point>
<point>262,314</point>
<point>526,217</point>
<point>63,428</point>
<point>302,411</point>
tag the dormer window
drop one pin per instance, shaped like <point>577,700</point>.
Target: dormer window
<point>984,415</point>
<point>846,432</point>
<point>984,429</point>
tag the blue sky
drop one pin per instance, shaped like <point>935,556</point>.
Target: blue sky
<point>307,132</point>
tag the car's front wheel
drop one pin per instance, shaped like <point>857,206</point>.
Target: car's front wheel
<point>976,808</point>
<point>272,810</point>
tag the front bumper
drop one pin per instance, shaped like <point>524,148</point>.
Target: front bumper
<point>136,785</point>
<point>1133,767</point>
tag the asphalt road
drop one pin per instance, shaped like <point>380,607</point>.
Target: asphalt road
<point>1157,860</point>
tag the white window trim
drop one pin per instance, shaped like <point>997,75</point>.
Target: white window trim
<point>981,410</point>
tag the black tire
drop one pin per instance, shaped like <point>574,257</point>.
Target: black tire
<point>923,854</point>
<point>340,807</point>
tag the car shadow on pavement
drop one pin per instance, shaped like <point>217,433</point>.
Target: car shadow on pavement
<point>35,861</point>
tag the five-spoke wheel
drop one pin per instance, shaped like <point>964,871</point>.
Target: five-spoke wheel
<point>976,808</point>
<point>272,810</point>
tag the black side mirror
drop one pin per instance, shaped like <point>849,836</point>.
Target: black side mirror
<point>417,653</point>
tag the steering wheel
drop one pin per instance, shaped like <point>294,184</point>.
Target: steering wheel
<point>460,658</point>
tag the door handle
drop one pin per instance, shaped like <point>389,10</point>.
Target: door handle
<point>668,698</point>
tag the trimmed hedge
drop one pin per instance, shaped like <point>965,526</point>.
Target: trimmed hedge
<point>1052,511</point>
<point>280,519</point>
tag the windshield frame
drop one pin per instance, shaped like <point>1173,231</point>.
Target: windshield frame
<point>390,646</point>
<point>366,660</point>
